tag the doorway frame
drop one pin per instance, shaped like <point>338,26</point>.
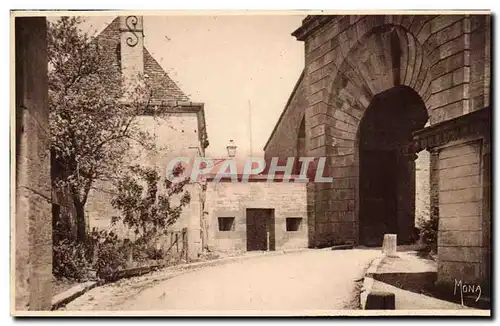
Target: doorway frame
<point>271,241</point>
<point>356,167</point>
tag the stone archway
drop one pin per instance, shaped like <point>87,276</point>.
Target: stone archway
<point>349,59</point>
<point>385,77</point>
<point>387,61</point>
<point>386,168</point>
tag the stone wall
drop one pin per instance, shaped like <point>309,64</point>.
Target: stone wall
<point>460,238</point>
<point>480,61</point>
<point>351,59</point>
<point>460,179</point>
<point>32,212</point>
<point>227,199</point>
<point>422,186</point>
<point>175,136</point>
<point>283,140</point>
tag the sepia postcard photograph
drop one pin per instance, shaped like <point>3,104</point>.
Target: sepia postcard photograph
<point>251,163</point>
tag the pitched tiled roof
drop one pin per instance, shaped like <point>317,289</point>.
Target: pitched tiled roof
<point>109,39</point>
<point>156,74</point>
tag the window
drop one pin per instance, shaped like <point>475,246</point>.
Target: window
<point>226,223</point>
<point>293,223</point>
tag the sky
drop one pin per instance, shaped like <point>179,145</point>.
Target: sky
<point>235,64</point>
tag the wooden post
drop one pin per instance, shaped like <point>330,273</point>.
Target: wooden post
<point>95,253</point>
<point>268,244</point>
<point>185,243</point>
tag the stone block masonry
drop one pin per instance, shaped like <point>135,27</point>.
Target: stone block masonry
<point>32,213</point>
<point>460,245</point>
<point>232,200</point>
<point>351,61</point>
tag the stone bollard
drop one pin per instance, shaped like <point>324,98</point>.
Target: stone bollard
<point>389,246</point>
<point>380,301</point>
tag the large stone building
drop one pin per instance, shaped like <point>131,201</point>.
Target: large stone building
<point>180,133</point>
<point>370,84</point>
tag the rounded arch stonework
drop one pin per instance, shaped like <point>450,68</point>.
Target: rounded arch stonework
<point>351,59</point>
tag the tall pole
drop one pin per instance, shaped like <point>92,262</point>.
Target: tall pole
<point>250,126</point>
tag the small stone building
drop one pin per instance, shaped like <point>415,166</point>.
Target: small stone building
<point>256,215</point>
<point>370,82</point>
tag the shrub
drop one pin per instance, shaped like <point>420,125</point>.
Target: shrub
<point>70,260</point>
<point>429,232</point>
<point>145,201</point>
<point>155,254</point>
<point>110,256</point>
<point>101,256</point>
<point>142,252</point>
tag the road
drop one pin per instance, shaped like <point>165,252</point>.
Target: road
<point>304,281</point>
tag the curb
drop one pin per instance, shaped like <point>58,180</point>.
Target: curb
<point>71,294</point>
<point>343,247</point>
<point>226,260</point>
<point>368,280</point>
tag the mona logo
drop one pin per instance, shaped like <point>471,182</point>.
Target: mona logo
<point>465,288</point>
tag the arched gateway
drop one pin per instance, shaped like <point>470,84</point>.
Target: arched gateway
<point>369,84</point>
<point>386,166</point>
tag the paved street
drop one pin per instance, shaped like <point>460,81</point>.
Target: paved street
<point>310,280</point>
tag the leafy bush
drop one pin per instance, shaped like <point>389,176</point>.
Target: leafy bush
<point>429,232</point>
<point>110,255</point>
<point>70,260</point>
<point>145,201</point>
<point>101,256</point>
<point>139,253</point>
<point>111,259</point>
<point>155,254</point>
<point>142,252</point>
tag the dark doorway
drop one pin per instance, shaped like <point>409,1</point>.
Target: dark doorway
<point>260,229</point>
<point>378,199</point>
<point>386,167</point>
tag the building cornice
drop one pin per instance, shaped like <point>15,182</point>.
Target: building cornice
<point>474,123</point>
<point>199,109</point>
<point>310,24</point>
<point>184,107</point>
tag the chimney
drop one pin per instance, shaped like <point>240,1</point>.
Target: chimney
<point>131,46</point>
